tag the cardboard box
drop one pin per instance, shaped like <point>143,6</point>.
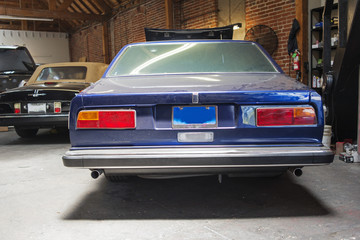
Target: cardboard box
<point>4,129</point>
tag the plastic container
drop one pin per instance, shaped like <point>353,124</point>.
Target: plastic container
<point>326,140</point>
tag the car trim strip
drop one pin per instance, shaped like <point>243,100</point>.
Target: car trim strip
<point>197,158</point>
<point>34,116</point>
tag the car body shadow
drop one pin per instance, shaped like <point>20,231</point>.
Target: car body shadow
<point>44,136</point>
<point>197,198</point>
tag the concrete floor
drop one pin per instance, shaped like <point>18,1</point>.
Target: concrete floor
<point>41,199</point>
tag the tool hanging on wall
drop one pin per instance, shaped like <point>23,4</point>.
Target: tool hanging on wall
<point>293,50</point>
<point>296,63</point>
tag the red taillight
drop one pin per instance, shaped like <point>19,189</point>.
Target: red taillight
<point>113,119</point>
<point>57,107</point>
<point>50,83</point>
<point>285,116</point>
<point>17,108</point>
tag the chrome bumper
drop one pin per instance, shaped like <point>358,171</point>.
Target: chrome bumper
<point>137,160</point>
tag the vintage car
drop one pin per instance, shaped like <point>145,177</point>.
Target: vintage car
<point>16,66</point>
<point>195,107</point>
<point>44,101</point>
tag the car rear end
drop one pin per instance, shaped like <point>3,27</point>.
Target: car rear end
<point>36,106</point>
<point>44,102</point>
<point>191,123</point>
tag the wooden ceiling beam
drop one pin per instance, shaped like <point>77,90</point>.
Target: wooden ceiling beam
<point>10,4</point>
<point>52,5</point>
<point>10,27</point>
<point>91,7</point>
<point>103,6</point>
<point>17,12</point>
<point>83,7</point>
<point>65,5</point>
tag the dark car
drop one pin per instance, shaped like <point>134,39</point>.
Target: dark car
<point>44,101</point>
<point>195,107</point>
<point>16,65</point>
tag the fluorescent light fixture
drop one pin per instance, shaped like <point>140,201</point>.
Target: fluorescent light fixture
<point>8,47</point>
<point>25,18</point>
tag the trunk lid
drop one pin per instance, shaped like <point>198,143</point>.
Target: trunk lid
<point>43,92</point>
<point>210,88</point>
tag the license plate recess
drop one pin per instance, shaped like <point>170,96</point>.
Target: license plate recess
<point>194,117</point>
<point>36,107</point>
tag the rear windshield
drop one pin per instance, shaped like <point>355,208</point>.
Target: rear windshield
<point>62,73</point>
<point>191,57</point>
<point>15,60</point>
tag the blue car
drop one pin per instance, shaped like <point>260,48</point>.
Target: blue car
<point>175,108</point>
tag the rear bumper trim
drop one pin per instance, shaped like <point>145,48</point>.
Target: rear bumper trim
<point>139,160</point>
<point>34,120</point>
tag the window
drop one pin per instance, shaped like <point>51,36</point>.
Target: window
<point>61,73</point>
<point>191,57</point>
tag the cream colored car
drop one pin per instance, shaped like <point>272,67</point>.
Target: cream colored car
<point>44,101</point>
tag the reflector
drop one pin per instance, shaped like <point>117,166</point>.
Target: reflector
<point>17,108</point>
<point>88,115</point>
<point>304,116</point>
<point>57,107</point>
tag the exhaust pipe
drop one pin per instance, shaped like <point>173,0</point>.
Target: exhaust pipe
<point>96,173</point>
<point>296,171</point>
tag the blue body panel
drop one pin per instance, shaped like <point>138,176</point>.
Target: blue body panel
<point>154,116</point>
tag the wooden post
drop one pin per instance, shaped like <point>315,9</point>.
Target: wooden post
<point>52,5</point>
<point>169,14</point>
<point>105,42</point>
<point>301,13</point>
<point>24,23</point>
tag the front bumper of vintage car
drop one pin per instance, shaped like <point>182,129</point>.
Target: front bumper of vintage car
<point>195,159</point>
<point>34,120</point>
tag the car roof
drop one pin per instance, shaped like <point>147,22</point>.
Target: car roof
<point>94,72</point>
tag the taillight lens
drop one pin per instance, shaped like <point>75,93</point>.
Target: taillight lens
<point>17,108</point>
<point>112,119</point>
<point>285,116</point>
<point>57,107</point>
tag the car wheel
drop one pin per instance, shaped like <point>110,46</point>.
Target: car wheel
<point>26,132</point>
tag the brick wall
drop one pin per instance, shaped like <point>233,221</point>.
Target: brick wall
<point>87,43</point>
<point>277,14</point>
<point>128,26</point>
<point>192,14</point>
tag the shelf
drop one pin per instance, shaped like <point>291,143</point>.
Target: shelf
<point>321,9</point>
<point>317,69</point>
<point>321,48</point>
<point>316,39</point>
<point>320,29</point>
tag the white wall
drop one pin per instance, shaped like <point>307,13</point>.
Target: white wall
<point>45,47</point>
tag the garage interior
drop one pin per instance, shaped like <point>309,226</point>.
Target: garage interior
<point>44,200</point>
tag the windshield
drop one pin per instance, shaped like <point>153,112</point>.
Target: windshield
<point>191,57</point>
<point>62,73</point>
<point>16,60</point>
